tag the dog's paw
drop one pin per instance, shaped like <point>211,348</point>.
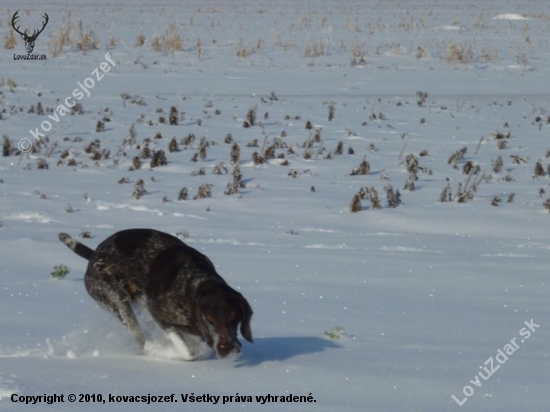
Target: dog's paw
<point>200,351</point>
<point>180,345</point>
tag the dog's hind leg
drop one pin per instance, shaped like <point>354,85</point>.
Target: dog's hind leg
<point>113,297</point>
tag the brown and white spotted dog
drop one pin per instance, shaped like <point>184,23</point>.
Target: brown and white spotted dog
<point>179,285</point>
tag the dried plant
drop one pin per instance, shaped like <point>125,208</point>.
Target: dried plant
<point>518,159</point>
<point>7,147</point>
<point>457,156</point>
<point>183,194</point>
<point>173,146</point>
<point>270,152</point>
<point>219,169</point>
<point>200,172</point>
<point>140,40</point>
<point>375,202</point>
<point>539,169</point>
<point>189,140</point>
<point>139,189</point>
<point>173,118</point>
<point>41,163</point>
<point>251,116</point>
<point>394,198</point>
<point>257,158</point>
<point>363,169</point>
<point>159,159</point>
<point>411,162</point>
<point>168,43</point>
<point>497,164</point>
<point>204,191</point>
<point>87,41</point>
<point>500,136</point>
<point>331,111</point>
<point>100,126</point>
<point>464,193</point>
<point>421,98</point>
<point>10,41</point>
<point>202,151</point>
<point>235,153</point>
<point>145,153</point>
<point>459,53</point>
<point>355,205</point>
<point>133,134</point>
<point>85,235</point>
<point>470,168</point>
<point>446,194</point>
<point>232,188</point>
<point>364,193</point>
<point>410,183</point>
<point>93,146</point>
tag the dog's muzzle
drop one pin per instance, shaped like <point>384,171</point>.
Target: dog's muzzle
<point>227,347</point>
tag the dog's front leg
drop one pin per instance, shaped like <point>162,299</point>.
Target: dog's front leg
<point>189,346</point>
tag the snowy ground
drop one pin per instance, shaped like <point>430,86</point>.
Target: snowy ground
<point>416,298</point>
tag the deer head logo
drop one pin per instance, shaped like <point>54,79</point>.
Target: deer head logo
<point>29,40</point>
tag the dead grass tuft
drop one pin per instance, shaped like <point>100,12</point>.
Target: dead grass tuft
<point>459,53</point>
<point>10,41</point>
<point>169,42</point>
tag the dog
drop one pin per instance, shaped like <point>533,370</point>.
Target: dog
<point>179,285</point>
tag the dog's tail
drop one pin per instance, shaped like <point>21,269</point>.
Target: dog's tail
<point>77,247</point>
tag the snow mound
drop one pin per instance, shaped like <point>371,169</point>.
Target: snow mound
<point>6,389</point>
<point>509,16</point>
<point>5,393</point>
<point>30,217</point>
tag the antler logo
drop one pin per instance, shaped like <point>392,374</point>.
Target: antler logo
<point>29,40</point>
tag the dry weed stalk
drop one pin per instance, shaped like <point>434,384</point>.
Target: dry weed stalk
<point>355,205</point>
<point>139,189</point>
<point>459,53</point>
<point>204,191</point>
<point>170,42</point>
<point>10,41</point>
<point>363,169</point>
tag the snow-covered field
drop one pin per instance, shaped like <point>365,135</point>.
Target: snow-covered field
<point>390,309</point>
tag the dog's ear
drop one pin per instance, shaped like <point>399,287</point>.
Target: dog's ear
<point>245,321</point>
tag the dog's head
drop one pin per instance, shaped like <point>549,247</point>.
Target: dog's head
<point>221,310</point>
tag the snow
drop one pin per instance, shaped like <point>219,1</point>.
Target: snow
<point>510,16</point>
<point>391,309</point>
